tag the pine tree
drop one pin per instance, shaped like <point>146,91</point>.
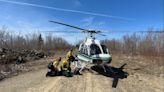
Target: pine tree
<point>40,42</point>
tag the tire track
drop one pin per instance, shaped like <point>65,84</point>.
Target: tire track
<point>45,86</point>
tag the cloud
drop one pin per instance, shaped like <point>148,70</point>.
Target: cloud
<point>27,28</point>
<point>7,17</point>
<point>92,22</point>
<point>77,3</point>
<point>65,10</point>
<point>88,21</point>
<point>101,23</point>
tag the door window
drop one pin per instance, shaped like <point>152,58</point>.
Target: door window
<point>105,50</point>
<point>85,50</point>
<point>94,49</point>
<point>81,48</point>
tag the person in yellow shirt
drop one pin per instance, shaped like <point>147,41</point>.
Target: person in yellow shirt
<point>69,54</point>
<point>65,64</point>
<point>56,64</point>
<point>54,68</point>
<point>66,68</point>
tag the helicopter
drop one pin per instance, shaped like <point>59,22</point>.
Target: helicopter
<point>91,50</point>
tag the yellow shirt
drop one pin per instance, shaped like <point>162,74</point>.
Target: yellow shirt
<point>65,64</point>
<point>56,64</point>
<point>68,55</point>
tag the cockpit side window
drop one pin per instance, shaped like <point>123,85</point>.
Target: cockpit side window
<point>105,50</point>
<point>81,48</point>
<point>94,49</point>
<point>85,50</point>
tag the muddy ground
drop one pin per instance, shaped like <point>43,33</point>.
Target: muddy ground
<point>145,75</point>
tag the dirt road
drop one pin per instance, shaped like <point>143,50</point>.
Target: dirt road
<point>35,81</point>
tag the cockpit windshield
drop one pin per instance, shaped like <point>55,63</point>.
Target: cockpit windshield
<point>105,50</point>
<point>94,49</point>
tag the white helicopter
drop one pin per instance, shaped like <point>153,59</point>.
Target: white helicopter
<point>91,50</point>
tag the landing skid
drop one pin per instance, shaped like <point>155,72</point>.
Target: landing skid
<point>83,66</point>
<point>87,66</point>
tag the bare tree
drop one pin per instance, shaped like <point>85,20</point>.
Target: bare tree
<point>149,44</point>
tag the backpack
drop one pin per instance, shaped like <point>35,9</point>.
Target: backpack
<point>50,66</point>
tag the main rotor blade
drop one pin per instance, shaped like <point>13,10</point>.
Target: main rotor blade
<point>102,34</point>
<point>60,32</point>
<point>133,32</point>
<point>69,25</point>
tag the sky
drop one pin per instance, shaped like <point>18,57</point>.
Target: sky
<point>28,16</point>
